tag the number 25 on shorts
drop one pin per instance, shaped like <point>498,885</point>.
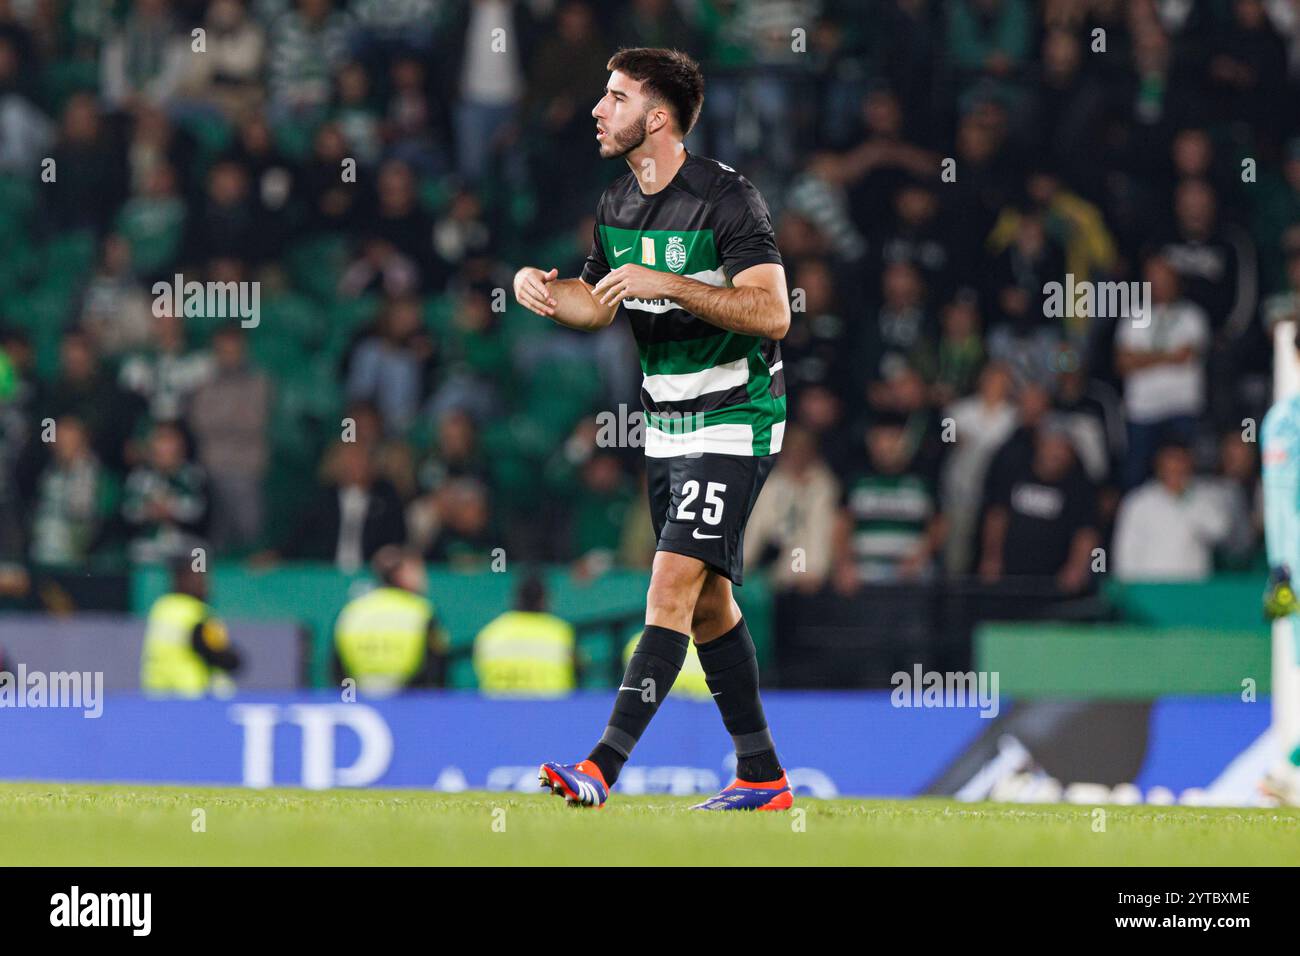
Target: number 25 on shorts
<point>713,503</point>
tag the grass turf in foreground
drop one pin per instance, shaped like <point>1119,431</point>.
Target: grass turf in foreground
<point>56,824</point>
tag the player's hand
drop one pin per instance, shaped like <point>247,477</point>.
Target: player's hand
<point>629,282</point>
<point>532,290</point>
<point>1280,598</point>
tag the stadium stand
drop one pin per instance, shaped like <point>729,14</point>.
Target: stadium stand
<point>944,164</point>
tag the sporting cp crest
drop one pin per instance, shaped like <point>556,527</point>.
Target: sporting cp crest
<point>675,254</point>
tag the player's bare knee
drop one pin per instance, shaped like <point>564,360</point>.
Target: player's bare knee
<point>669,599</point>
<point>674,589</point>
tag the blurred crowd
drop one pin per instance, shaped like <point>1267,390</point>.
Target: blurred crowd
<point>381,167</point>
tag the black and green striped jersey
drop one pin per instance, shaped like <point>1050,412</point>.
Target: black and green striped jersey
<point>705,389</point>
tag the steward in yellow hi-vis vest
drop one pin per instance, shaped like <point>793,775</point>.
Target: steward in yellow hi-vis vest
<point>187,652</point>
<point>527,651</point>
<point>690,680</point>
<point>389,639</point>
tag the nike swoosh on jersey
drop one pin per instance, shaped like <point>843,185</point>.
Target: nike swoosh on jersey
<point>696,534</point>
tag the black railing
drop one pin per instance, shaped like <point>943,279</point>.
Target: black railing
<point>830,640</point>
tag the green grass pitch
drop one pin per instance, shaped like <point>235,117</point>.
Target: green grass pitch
<point>57,824</point>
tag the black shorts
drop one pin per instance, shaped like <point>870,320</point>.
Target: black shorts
<point>700,504</point>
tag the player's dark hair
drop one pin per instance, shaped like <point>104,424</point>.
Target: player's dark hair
<point>669,76</point>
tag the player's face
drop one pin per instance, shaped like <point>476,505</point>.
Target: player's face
<point>620,117</point>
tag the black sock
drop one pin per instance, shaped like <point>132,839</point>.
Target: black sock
<point>649,676</point>
<point>731,670</point>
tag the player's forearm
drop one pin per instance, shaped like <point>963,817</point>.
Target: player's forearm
<point>749,310</point>
<point>575,307</point>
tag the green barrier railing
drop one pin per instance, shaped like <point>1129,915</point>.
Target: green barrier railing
<point>1205,637</point>
<point>1229,601</point>
<point>1072,660</point>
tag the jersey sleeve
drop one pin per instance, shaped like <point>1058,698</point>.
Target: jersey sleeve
<point>742,228</point>
<point>597,266</point>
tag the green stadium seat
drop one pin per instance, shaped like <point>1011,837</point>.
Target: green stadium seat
<point>316,265</point>
<point>62,78</point>
<point>17,200</point>
<point>346,316</point>
<point>69,257</point>
<point>212,133</point>
<point>295,317</point>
